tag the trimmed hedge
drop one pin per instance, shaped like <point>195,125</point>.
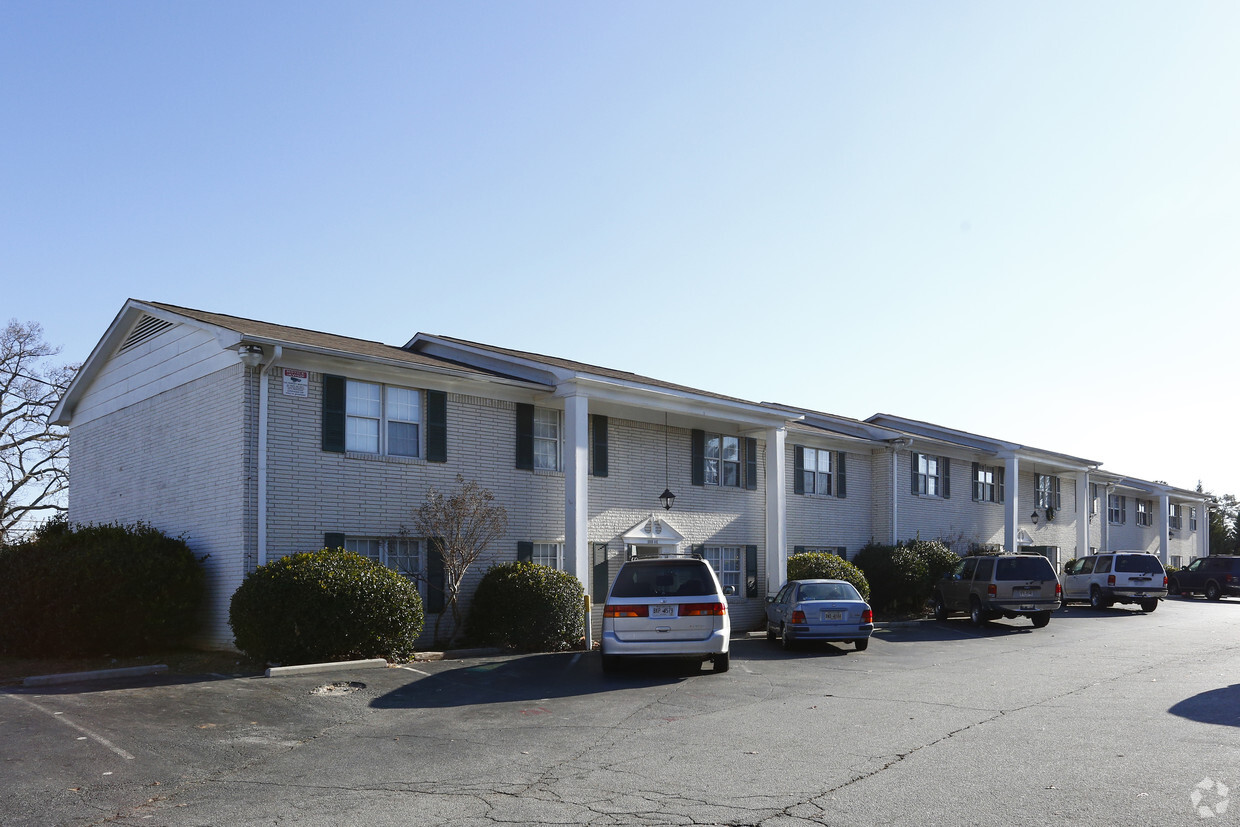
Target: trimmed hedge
<point>528,607</point>
<point>98,589</point>
<point>903,576</point>
<point>814,565</point>
<point>325,605</point>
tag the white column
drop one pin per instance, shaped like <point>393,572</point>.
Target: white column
<point>1011,502</point>
<point>1083,503</point>
<point>776,510</point>
<point>1164,525</point>
<point>577,488</point>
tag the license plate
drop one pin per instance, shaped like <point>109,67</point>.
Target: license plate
<point>663,611</point>
<point>832,615</point>
<point>1027,592</point>
<point>1029,608</point>
<point>1138,594</point>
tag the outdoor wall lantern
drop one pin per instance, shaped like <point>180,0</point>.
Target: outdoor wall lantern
<point>250,355</point>
<point>1034,517</point>
<point>667,498</point>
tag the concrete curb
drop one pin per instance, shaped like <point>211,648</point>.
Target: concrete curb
<point>316,668</point>
<point>458,654</point>
<point>97,675</point>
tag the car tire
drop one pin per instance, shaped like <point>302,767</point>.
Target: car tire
<point>785,641</point>
<point>721,662</point>
<point>1173,587</point>
<point>940,608</point>
<point>1149,605</point>
<point>611,664</point>
<point>770,632</point>
<point>976,614</point>
<point>862,644</point>
<point>1095,599</point>
<point>1040,619</point>
<point>1213,592</point>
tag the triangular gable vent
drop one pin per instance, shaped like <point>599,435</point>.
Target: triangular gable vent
<point>148,327</point>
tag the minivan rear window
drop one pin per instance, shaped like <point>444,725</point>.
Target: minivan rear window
<point>1024,568</point>
<point>663,580</point>
<point>1140,563</point>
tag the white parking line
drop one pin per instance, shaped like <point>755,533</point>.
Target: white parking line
<point>59,716</point>
<point>419,671</point>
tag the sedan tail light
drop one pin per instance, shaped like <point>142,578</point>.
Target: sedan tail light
<point>703,609</point>
<point>798,616</point>
<point>867,616</point>
<point>618,610</point>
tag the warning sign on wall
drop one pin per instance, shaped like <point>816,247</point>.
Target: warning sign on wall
<point>296,382</point>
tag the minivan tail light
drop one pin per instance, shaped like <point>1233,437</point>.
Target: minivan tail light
<point>620,610</point>
<point>867,616</point>
<point>699,609</point>
<point>1110,580</point>
<point>992,590</point>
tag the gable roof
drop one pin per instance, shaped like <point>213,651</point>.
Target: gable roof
<point>952,436</point>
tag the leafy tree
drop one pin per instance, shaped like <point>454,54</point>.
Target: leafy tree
<point>461,524</point>
<point>34,454</point>
<point>1224,523</point>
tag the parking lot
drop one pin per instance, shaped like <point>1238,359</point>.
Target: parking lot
<point>1100,718</point>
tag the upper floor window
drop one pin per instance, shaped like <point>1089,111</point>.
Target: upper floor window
<point>816,471</point>
<point>546,439</point>
<point>1047,491</point>
<point>931,475</point>
<point>723,460</point>
<point>1093,498</point>
<point>1192,519</point>
<point>1175,516</point>
<point>1117,509</point>
<point>381,419</point>
<point>1145,514</point>
<point>988,483</point>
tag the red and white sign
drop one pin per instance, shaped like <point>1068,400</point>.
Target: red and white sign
<point>296,382</point>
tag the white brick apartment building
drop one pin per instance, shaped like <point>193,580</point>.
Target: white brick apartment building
<point>256,440</point>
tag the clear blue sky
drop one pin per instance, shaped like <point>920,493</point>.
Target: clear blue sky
<point>1018,219</point>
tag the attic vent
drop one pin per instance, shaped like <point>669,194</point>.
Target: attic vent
<point>148,327</point>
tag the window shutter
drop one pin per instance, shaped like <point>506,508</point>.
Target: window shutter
<point>599,434</point>
<point>599,575</point>
<point>751,464</point>
<point>435,587</point>
<point>798,549</point>
<point>333,413</point>
<point>1123,509</point>
<point>525,551</point>
<point>945,477</point>
<point>700,551</point>
<point>751,571</point>
<point>436,426</point>
<point>697,457</point>
<point>332,539</point>
<point>1000,474</point>
<point>979,490</point>
<point>841,489</point>
<point>1056,495</point>
<point>913,460</point>
<point>525,436</point>
<point>798,470</point>
<point>842,551</point>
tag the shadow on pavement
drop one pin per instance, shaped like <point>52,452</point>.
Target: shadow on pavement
<point>1218,706</point>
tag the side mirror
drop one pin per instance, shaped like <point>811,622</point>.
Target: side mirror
<point>770,598</point>
<point>728,591</point>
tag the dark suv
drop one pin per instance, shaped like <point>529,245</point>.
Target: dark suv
<point>1212,576</point>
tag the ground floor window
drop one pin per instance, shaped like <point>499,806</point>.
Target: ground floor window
<point>548,554</point>
<point>400,554</point>
<point>726,561</point>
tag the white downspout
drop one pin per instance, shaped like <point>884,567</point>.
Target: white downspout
<point>262,454</point>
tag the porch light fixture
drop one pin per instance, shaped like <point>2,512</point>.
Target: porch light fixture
<point>251,355</point>
<point>667,498</point>
<point>1034,517</point>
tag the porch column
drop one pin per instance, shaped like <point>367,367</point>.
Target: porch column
<point>1164,526</point>
<point>577,487</point>
<point>1083,503</point>
<point>776,510</point>
<point>1011,502</point>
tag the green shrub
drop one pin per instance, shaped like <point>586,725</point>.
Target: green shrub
<point>939,559</point>
<point>528,607</point>
<point>814,565</point>
<point>325,605</point>
<point>98,589</point>
<point>897,577</point>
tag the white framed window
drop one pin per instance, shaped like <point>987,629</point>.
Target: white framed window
<point>726,561</point>
<point>838,551</point>
<point>1145,516</point>
<point>1192,519</point>
<point>549,554</point>
<point>547,439</point>
<point>1177,561</point>
<point>816,473</point>
<point>382,419</point>
<point>1093,498</point>
<point>1117,509</point>
<point>401,554</point>
<point>1175,516</point>
<point>722,460</point>
<point>988,483</point>
<point>929,481</point>
<point>1047,491</point>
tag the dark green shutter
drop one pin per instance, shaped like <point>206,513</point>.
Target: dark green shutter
<point>700,551</point>
<point>751,571</point>
<point>435,586</point>
<point>697,457</point>
<point>525,436</point>
<point>945,477</point>
<point>436,426</point>
<point>798,549</point>
<point>599,575</point>
<point>913,460</point>
<point>978,490</point>
<point>841,487</point>
<point>525,551</point>
<point>751,463</point>
<point>333,539</point>
<point>333,413</point>
<point>600,444</point>
<point>798,470</point>
<point>1000,473</point>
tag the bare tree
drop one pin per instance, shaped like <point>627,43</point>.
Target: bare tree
<point>34,454</point>
<point>461,524</point>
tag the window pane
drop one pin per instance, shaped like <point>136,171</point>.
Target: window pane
<point>404,556</point>
<point>824,484</point>
<point>546,423</point>
<point>402,439</point>
<point>731,473</point>
<point>363,399</point>
<point>363,546</point>
<point>545,455</point>
<point>731,448</point>
<point>712,448</point>
<point>547,554</point>
<point>824,462</point>
<point>362,435</point>
<point>807,481</point>
<point>710,472</point>
<point>402,405</point>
